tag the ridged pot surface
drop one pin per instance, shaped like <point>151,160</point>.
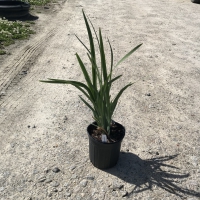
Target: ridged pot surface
<point>104,155</point>
<point>11,9</point>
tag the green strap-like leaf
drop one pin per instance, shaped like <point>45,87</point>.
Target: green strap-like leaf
<point>105,87</point>
<point>85,73</point>
<point>83,44</point>
<point>114,103</point>
<point>111,64</point>
<point>60,81</point>
<point>94,65</point>
<point>94,32</point>
<point>103,59</point>
<point>128,54</point>
<point>92,48</point>
<point>77,84</point>
<point>87,104</point>
<point>114,79</point>
<point>106,91</point>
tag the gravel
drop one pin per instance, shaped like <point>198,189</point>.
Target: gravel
<point>43,138</point>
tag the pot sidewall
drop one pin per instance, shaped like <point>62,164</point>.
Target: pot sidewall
<point>104,155</point>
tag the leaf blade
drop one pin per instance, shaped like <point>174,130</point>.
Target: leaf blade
<point>128,54</point>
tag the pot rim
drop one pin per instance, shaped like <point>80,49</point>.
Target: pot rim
<point>97,141</point>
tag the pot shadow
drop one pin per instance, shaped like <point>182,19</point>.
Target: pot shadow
<point>144,174</point>
<point>27,17</point>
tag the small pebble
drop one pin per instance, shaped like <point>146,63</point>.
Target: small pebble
<point>76,189</point>
<point>65,119</point>
<point>90,177</point>
<point>54,190</point>
<point>56,170</point>
<point>117,186</point>
<point>24,72</point>
<point>68,194</point>
<point>83,183</point>
<point>35,171</point>
<point>194,160</point>
<point>72,168</point>
<point>20,189</point>
<point>6,174</point>
<point>50,194</point>
<point>151,106</point>
<point>73,176</point>
<point>48,181</point>
<point>41,179</point>
<point>3,94</point>
<point>124,193</point>
<point>46,170</point>
<point>66,185</point>
<point>115,194</point>
<point>55,184</point>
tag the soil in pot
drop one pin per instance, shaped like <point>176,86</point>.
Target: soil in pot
<point>116,132</point>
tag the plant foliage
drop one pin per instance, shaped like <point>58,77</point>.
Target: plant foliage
<point>98,83</point>
<point>11,31</point>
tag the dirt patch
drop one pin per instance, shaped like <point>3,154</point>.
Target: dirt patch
<point>33,20</point>
<point>23,53</point>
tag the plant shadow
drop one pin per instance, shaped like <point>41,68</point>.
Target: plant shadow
<point>144,174</point>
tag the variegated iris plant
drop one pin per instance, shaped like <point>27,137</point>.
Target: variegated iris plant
<point>98,83</point>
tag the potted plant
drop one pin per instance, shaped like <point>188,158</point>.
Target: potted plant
<point>105,135</point>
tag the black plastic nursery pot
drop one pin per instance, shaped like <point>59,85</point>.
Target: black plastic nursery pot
<point>13,9</point>
<point>104,155</point>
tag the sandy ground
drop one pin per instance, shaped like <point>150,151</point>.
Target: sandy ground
<point>43,140</point>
